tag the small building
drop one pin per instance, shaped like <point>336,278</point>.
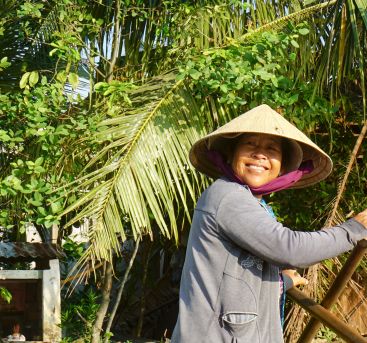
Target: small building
<point>35,292</point>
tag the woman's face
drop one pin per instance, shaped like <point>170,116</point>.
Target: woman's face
<point>257,159</point>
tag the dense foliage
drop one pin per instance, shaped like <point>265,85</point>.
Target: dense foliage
<point>100,102</point>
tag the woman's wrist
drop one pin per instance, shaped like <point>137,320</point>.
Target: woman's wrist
<point>362,218</point>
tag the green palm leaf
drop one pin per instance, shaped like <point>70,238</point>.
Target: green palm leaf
<point>280,23</point>
<point>148,174</point>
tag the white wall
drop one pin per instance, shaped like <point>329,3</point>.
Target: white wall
<point>51,303</point>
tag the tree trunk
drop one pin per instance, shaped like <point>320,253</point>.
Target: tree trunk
<point>116,41</point>
<point>119,294</point>
<point>101,313</point>
<point>139,326</point>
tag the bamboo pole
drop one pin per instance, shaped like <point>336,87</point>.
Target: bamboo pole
<point>336,289</point>
<point>326,317</point>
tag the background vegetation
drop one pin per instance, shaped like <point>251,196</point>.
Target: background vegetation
<point>100,102</point>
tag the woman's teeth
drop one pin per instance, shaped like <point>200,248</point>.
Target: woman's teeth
<point>254,167</point>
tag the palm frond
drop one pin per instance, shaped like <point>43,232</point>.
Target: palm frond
<point>280,23</point>
<point>342,49</point>
<point>359,39</point>
<point>149,172</point>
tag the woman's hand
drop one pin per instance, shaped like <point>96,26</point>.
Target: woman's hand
<point>296,278</point>
<point>362,218</point>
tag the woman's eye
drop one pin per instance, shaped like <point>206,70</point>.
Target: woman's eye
<point>249,143</point>
<point>273,148</point>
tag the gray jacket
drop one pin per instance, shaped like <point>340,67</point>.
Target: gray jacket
<point>230,285</point>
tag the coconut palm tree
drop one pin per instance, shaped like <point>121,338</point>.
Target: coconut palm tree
<point>137,173</point>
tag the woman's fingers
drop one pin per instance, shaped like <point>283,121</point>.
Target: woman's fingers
<point>296,277</point>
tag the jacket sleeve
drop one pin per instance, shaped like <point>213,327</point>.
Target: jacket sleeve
<point>245,222</point>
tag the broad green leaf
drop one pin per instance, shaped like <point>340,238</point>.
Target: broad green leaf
<point>61,76</point>
<point>55,207</point>
<point>304,31</point>
<point>100,86</point>
<point>195,74</point>
<point>24,80</point>
<point>4,63</point>
<point>33,78</point>
<point>294,43</point>
<point>74,80</point>
<point>5,295</point>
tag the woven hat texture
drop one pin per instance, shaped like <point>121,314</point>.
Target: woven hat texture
<point>263,119</point>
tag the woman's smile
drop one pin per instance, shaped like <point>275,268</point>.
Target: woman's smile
<point>256,167</point>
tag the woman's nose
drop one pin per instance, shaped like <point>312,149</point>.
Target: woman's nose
<point>259,153</point>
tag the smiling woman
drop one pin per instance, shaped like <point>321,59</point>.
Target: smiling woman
<point>257,159</point>
<point>236,269</point>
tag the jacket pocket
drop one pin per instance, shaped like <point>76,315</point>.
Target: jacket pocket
<point>236,323</point>
<point>237,309</point>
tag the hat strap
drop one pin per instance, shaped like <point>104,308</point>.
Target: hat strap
<point>281,182</point>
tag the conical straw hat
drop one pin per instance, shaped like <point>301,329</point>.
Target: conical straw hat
<point>263,119</point>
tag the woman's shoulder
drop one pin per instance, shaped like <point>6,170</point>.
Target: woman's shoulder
<point>224,187</point>
<point>220,189</point>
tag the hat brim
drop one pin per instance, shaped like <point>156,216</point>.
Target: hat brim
<point>278,126</point>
